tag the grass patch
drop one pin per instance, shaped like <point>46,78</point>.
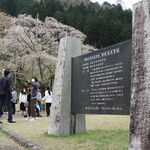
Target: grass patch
<point>6,141</point>
<point>100,139</point>
<point>104,132</point>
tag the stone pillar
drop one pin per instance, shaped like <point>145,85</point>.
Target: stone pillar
<point>140,98</point>
<point>62,122</point>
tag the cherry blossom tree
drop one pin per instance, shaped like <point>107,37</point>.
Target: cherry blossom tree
<point>30,46</point>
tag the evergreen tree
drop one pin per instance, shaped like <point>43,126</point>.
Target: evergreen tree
<point>9,7</point>
<point>38,8</point>
<point>104,25</point>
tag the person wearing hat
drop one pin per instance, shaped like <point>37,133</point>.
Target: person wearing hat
<point>5,94</point>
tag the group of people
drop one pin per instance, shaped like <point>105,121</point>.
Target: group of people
<point>31,100</point>
<point>26,101</point>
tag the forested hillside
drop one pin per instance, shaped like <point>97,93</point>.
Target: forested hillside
<point>104,25</point>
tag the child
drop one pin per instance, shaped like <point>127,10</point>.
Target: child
<point>37,107</point>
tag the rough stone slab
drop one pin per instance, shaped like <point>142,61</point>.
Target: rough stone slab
<point>36,148</point>
<point>80,124</point>
<point>140,98</point>
<point>60,117</point>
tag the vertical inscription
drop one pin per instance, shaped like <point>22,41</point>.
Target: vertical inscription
<point>104,81</point>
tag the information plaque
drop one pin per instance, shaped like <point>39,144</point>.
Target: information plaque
<point>101,81</point>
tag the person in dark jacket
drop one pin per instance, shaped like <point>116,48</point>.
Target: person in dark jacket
<point>5,94</point>
<point>34,97</point>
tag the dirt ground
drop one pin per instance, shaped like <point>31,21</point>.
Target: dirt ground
<point>18,114</point>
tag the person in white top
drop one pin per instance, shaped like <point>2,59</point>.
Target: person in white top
<point>23,100</point>
<point>48,100</point>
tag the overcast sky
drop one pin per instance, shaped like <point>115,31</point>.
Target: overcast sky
<point>127,3</point>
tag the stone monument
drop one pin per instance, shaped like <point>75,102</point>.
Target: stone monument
<point>62,122</point>
<point>140,97</point>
